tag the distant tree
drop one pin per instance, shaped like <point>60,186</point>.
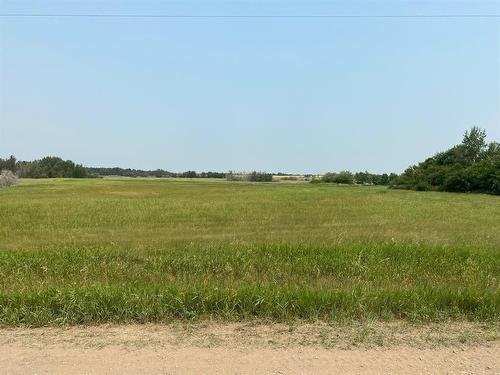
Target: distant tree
<point>11,164</point>
<point>382,179</point>
<point>344,177</point>
<point>8,164</point>
<point>364,178</point>
<point>50,167</point>
<point>474,143</point>
<point>189,174</point>
<point>328,177</point>
<point>79,171</point>
<point>260,177</point>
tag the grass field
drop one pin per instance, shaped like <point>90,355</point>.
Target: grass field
<point>126,250</point>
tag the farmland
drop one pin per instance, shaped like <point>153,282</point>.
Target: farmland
<point>157,250</point>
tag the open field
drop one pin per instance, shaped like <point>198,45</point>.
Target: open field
<point>96,251</point>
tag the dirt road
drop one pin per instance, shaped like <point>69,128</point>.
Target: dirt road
<point>250,349</point>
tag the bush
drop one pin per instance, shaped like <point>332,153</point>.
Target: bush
<point>422,186</point>
<point>456,182</point>
<point>7,179</point>
<point>344,177</point>
<point>328,177</point>
<point>260,177</point>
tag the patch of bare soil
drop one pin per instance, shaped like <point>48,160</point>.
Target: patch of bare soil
<point>253,348</point>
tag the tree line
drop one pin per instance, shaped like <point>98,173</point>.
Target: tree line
<point>127,172</point>
<point>47,167</point>
<point>360,178</point>
<point>472,166</point>
<point>56,167</point>
<point>53,167</point>
<point>253,176</point>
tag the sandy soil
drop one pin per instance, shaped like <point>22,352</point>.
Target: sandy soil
<point>247,348</point>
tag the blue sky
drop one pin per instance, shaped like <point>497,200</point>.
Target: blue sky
<point>275,94</point>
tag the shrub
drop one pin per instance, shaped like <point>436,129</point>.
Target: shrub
<point>260,177</point>
<point>328,177</point>
<point>456,182</point>
<point>7,179</point>
<point>422,186</point>
<point>344,177</point>
<point>315,180</point>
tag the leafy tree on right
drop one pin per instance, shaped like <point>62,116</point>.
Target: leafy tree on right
<point>472,166</point>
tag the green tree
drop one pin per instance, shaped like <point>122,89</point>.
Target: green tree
<point>344,177</point>
<point>8,164</point>
<point>474,143</point>
<point>472,166</point>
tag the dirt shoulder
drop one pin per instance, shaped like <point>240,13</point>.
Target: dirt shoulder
<point>251,348</point>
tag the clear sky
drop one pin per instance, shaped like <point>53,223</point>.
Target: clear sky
<point>274,94</point>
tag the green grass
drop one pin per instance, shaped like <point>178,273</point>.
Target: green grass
<point>92,251</point>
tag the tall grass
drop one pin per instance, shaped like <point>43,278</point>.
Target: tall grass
<point>75,252</point>
<point>278,281</point>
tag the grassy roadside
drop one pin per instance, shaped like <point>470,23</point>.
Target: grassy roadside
<point>278,282</point>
